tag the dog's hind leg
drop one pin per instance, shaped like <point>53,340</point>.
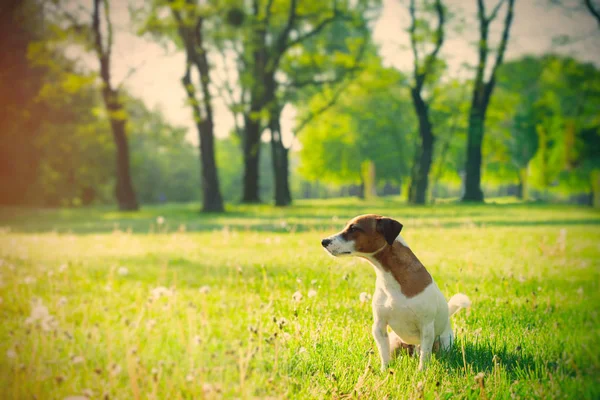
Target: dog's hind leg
<point>427,339</point>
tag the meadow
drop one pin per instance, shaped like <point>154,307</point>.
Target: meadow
<point>167,303</point>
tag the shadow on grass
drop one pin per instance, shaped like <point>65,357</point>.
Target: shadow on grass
<point>302,217</point>
<point>480,357</point>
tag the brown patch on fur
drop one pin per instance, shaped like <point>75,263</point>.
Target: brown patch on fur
<point>406,268</point>
<point>365,236</point>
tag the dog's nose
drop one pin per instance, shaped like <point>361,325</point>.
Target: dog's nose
<point>325,242</point>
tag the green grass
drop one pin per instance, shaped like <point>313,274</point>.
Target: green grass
<point>532,272</point>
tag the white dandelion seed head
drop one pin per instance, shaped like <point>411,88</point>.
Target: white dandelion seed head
<point>204,289</point>
<point>62,301</point>
<point>122,271</point>
<point>297,296</point>
<point>77,360</point>
<point>364,297</point>
<point>160,291</point>
<point>189,377</point>
<point>313,282</point>
<point>11,353</point>
<point>29,280</point>
<point>62,268</point>
<point>160,220</point>
<point>312,293</point>
<point>302,350</point>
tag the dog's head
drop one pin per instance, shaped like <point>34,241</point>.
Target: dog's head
<point>363,235</point>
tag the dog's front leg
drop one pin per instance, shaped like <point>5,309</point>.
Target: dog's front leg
<point>427,338</point>
<point>381,339</point>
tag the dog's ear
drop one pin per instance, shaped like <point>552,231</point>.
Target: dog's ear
<point>389,228</point>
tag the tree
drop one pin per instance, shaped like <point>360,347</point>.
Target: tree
<point>362,127</point>
<point>114,106</point>
<point>482,92</point>
<point>20,82</point>
<point>327,62</point>
<point>274,29</point>
<point>190,22</point>
<point>422,70</point>
<point>593,10</point>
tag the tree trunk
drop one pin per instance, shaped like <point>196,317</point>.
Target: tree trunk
<point>211,193</point>
<point>124,188</point>
<point>523,188</point>
<point>473,190</point>
<point>252,131</point>
<point>279,155</point>
<point>417,192</point>
<point>116,111</point>
<point>369,180</point>
<point>595,177</point>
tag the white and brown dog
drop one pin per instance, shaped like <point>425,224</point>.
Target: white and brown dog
<point>406,298</point>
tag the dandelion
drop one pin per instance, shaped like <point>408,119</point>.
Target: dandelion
<point>297,296</point>
<point>115,369</point>
<point>62,268</point>
<point>11,353</point>
<point>189,377</point>
<point>77,360</point>
<point>160,291</point>
<point>39,313</point>
<point>29,280</point>
<point>150,324</point>
<point>312,293</point>
<point>62,301</point>
<point>364,297</point>
<point>122,271</point>
<point>302,350</point>
<point>160,220</point>
<point>580,291</point>
<point>204,289</point>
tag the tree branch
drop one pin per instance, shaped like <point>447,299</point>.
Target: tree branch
<point>340,89</point>
<point>592,10</point>
<point>413,37</point>
<point>282,39</point>
<point>103,54</point>
<point>501,50</point>
<point>495,11</point>
<point>315,31</point>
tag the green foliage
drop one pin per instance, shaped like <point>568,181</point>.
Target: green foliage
<point>544,115</point>
<point>372,120</point>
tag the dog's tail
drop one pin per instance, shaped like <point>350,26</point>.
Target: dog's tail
<point>457,302</point>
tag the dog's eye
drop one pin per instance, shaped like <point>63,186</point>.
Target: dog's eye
<point>352,229</point>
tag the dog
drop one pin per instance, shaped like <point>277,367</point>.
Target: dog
<point>406,298</point>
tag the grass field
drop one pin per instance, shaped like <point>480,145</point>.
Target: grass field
<point>167,303</point>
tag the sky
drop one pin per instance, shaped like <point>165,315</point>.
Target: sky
<point>157,75</point>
